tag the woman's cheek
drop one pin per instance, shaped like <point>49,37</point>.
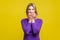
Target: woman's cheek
<point>29,15</point>
<point>34,15</point>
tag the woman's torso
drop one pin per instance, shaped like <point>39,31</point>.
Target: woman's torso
<point>36,27</point>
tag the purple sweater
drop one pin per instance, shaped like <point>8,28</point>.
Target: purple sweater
<point>31,30</point>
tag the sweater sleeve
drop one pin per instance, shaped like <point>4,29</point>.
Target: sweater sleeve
<point>26,27</point>
<point>36,27</point>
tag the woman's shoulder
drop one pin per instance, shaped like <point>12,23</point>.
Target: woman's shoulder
<point>24,19</point>
<point>39,19</point>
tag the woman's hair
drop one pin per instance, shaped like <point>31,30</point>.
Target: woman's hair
<point>33,5</point>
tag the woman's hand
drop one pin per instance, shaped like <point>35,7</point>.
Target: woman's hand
<point>32,20</point>
<point>29,21</point>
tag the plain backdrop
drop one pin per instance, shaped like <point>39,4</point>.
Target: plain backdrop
<point>12,11</point>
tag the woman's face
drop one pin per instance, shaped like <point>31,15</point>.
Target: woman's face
<point>31,12</point>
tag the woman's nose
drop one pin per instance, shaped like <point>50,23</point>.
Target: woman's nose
<point>31,11</point>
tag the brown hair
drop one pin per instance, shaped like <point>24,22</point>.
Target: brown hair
<point>31,4</point>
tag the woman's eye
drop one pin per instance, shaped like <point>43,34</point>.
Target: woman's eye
<point>32,9</point>
<point>29,9</point>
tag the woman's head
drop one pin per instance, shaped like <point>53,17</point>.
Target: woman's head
<point>31,10</point>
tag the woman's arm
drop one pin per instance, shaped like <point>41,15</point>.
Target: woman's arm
<point>26,26</point>
<point>36,27</point>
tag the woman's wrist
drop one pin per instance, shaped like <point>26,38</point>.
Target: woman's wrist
<point>29,21</point>
<point>33,20</point>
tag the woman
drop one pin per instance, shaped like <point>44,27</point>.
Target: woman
<point>31,25</point>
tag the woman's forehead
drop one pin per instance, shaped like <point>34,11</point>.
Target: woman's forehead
<point>31,7</point>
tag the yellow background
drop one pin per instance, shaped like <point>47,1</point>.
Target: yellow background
<point>12,11</point>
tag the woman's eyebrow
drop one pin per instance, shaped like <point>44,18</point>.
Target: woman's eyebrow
<point>29,9</point>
